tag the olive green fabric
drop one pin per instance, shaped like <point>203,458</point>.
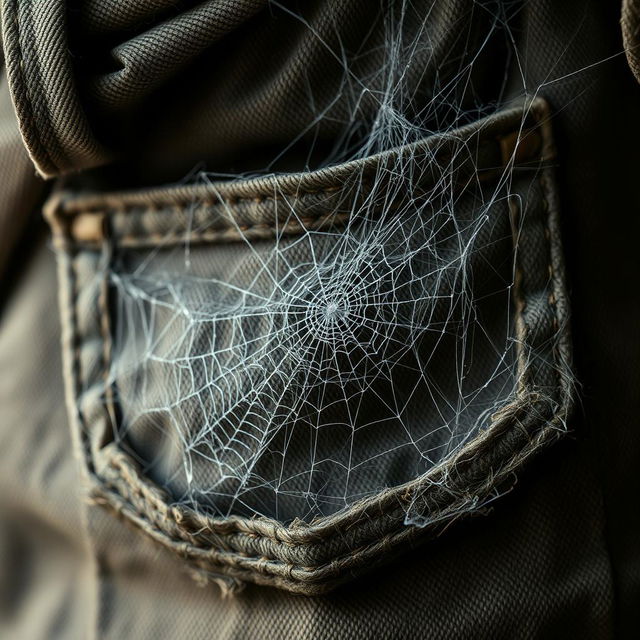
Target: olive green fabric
<point>238,82</point>
<point>133,94</point>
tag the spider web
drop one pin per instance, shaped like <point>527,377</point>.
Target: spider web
<point>294,375</point>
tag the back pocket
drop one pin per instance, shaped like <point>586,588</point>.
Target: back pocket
<point>287,380</point>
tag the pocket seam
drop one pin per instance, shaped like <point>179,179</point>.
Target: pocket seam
<point>144,206</point>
